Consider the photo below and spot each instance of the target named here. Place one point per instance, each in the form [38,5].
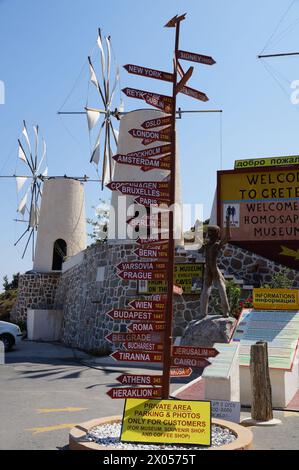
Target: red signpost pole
[170,273]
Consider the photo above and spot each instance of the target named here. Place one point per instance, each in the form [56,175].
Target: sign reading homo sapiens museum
[167,422]
[263,207]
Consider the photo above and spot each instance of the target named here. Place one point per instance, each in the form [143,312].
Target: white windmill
[29,185]
[107,136]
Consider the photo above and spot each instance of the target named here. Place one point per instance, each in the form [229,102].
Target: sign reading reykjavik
[263,206]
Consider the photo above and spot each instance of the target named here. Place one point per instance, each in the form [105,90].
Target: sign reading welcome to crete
[276,299]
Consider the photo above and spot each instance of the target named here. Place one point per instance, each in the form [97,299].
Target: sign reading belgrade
[115,338]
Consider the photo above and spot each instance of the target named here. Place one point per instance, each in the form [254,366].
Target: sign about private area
[167,422]
[276,299]
[263,207]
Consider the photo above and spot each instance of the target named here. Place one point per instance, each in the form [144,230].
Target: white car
[10,334]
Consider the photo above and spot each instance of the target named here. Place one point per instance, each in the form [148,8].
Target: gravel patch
[109,435]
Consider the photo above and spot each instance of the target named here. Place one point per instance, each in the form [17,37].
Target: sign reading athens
[263,205]
[167,422]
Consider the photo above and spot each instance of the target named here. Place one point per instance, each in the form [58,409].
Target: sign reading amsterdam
[263,206]
[276,299]
[167,422]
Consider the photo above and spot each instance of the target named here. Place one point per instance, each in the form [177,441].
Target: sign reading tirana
[263,206]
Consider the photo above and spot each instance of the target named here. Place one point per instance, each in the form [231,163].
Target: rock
[207,331]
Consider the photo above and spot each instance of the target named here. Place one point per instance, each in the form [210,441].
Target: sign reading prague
[263,206]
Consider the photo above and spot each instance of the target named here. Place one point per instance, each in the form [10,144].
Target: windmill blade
[108,67]
[44,154]
[34,216]
[103,62]
[106,156]
[22,155]
[95,157]
[115,133]
[94,80]
[25,134]
[35,129]
[45,173]
[22,206]
[93,115]
[20,180]
[117,76]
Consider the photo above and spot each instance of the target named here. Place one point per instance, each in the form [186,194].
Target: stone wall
[35,291]
[252,268]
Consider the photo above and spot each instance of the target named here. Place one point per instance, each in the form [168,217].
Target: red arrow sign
[190,351]
[193,57]
[123,337]
[188,362]
[198,95]
[148,304]
[150,73]
[156,252]
[142,275]
[142,266]
[152,152]
[136,315]
[121,393]
[152,123]
[146,164]
[141,346]
[137,356]
[165,103]
[140,379]
[180,372]
[158,190]
[164,135]
[145,327]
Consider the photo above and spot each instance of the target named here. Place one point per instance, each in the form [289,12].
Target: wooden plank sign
[191,351]
[150,73]
[145,327]
[159,122]
[193,57]
[157,252]
[163,136]
[137,356]
[163,102]
[184,80]
[151,241]
[146,164]
[142,346]
[136,315]
[146,392]
[198,95]
[140,379]
[148,304]
[115,338]
[147,190]
[142,275]
[142,266]
[189,362]
[180,371]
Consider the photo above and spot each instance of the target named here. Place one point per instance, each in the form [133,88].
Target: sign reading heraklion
[263,206]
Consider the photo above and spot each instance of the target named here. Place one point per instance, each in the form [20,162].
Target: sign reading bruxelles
[263,206]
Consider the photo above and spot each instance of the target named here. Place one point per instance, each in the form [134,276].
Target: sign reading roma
[263,205]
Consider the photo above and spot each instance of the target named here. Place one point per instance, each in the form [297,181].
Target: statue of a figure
[212,246]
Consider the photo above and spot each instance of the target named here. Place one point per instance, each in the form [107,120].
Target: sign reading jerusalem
[263,207]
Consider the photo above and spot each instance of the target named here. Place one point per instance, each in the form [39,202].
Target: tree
[11,285]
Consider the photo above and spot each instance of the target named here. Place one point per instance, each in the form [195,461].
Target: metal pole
[286,54]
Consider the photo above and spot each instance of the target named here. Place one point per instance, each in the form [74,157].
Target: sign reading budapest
[263,206]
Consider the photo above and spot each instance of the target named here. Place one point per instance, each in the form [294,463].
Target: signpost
[137,356]
[190,351]
[140,379]
[161,136]
[136,315]
[159,122]
[124,393]
[150,73]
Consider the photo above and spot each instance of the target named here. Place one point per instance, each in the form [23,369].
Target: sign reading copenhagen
[144,192]
[263,206]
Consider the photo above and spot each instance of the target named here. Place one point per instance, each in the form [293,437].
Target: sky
[43,64]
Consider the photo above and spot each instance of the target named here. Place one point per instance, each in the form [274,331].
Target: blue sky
[44,46]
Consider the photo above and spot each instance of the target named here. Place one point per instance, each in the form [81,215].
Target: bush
[280,280]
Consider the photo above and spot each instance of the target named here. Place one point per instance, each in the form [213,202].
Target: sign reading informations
[276,299]
[167,422]
[263,206]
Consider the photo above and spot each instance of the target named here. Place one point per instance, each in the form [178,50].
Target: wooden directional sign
[146,392]
[136,315]
[189,362]
[159,122]
[190,351]
[148,153]
[123,337]
[150,73]
[152,190]
[143,275]
[137,356]
[142,346]
[180,371]
[148,304]
[151,241]
[157,252]
[198,95]
[164,135]
[140,379]
[163,102]
[142,266]
[145,327]
[146,164]
[148,201]
[146,221]
[193,57]
[184,79]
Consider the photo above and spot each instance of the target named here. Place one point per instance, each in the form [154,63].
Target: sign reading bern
[263,205]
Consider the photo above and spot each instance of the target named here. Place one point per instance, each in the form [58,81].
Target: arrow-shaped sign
[136,315]
[189,362]
[151,241]
[137,356]
[192,351]
[159,122]
[142,266]
[163,102]
[150,73]
[184,79]
[193,57]
[146,327]
[163,136]
[180,372]
[146,392]
[142,346]
[154,253]
[141,337]
[148,304]
[127,379]
[198,95]
[143,275]
[159,190]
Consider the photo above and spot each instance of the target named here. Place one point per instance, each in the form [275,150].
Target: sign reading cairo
[167,422]
[263,206]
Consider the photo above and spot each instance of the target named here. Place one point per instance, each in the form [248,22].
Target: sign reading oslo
[167,422]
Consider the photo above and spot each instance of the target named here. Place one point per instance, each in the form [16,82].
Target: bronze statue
[212,246]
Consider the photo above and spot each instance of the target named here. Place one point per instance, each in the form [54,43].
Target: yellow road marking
[51,428]
[60,410]
[290,413]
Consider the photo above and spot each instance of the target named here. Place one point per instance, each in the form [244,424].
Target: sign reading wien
[263,206]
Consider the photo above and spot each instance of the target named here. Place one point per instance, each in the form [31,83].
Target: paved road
[45,390]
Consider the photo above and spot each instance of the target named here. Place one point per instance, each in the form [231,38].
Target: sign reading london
[263,206]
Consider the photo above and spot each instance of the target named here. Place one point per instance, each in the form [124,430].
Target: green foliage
[280,280]
[9,296]
[233,292]
[11,285]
